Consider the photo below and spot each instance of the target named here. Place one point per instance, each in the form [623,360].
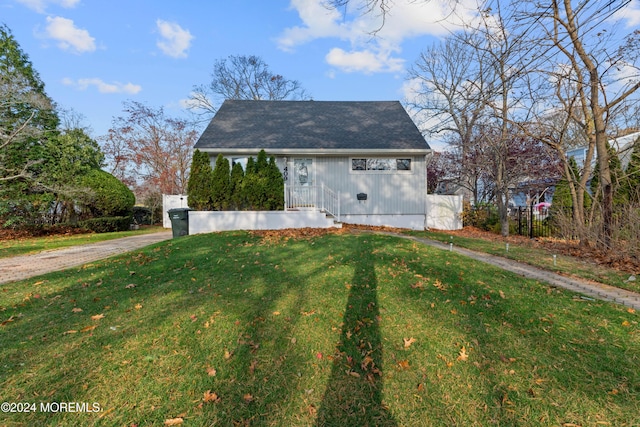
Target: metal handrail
[313,197]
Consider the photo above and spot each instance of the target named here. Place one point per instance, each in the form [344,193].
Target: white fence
[308,210]
[209,221]
[170,201]
[444,212]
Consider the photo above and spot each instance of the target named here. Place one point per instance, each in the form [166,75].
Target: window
[241,160]
[381,164]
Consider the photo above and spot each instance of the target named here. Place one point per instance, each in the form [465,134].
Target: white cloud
[69,37]
[175,40]
[102,86]
[319,22]
[188,103]
[369,52]
[40,6]
[364,61]
[630,14]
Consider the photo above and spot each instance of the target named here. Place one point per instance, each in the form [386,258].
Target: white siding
[387,193]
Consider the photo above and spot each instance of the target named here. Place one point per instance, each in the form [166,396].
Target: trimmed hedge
[107,224]
[260,187]
[108,196]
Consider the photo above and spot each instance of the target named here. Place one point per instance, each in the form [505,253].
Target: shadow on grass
[163,346]
[354,391]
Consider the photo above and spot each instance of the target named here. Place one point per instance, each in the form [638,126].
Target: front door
[304,190]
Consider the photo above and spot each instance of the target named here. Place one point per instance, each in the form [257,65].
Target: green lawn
[232,329]
[9,248]
[539,257]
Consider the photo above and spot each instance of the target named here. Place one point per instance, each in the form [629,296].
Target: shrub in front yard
[107,224]
[200,181]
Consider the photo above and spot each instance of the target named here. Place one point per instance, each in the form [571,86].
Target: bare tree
[470,86]
[243,77]
[563,127]
[149,150]
[604,70]
[581,37]
[451,98]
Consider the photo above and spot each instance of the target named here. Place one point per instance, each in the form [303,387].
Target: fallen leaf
[193,317]
[404,364]
[138,306]
[9,320]
[228,354]
[173,421]
[438,284]
[210,397]
[353,374]
[88,328]
[630,310]
[211,371]
[463,356]
[319,355]
[444,359]
[276,313]
[368,360]
[421,387]
[76,310]
[626,323]
[97,316]
[248,398]
[408,342]
[253,366]
[130,286]
[70,332]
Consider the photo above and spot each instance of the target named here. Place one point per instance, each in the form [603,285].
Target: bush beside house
[221,185]
[199,185]
[260,187]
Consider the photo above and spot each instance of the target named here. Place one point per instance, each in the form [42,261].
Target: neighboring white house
[364,162]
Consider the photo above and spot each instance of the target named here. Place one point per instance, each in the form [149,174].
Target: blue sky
[93,55]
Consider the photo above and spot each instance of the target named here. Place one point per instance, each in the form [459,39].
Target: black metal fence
[532,221]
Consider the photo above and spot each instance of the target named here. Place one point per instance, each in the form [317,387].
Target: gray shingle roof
[289,126]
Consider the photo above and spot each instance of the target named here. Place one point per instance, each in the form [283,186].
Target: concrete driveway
[25,266]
